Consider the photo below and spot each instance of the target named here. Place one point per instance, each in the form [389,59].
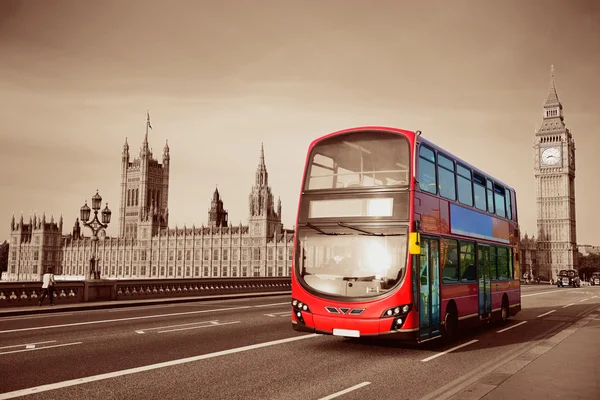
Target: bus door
[485,284]
[429,288]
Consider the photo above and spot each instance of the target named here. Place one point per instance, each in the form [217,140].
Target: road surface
[246,349]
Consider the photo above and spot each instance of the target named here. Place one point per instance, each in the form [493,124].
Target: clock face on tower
[551,156]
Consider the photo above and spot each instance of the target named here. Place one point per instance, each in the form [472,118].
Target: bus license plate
[346,332]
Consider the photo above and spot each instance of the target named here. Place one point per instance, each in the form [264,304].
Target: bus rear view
[351,273]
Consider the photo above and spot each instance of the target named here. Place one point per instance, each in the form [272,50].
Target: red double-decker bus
[395,235]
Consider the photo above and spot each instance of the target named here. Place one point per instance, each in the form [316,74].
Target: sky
[220,77]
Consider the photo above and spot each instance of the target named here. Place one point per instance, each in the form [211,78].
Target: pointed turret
[60,224]
[262,154]
[12,223]
[217,215]
[552,106]
[145,150]
[279,207]
[166,155]
[552,98]
[76,229]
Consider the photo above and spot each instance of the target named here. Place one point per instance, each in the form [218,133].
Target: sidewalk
[47,308]
[565,366]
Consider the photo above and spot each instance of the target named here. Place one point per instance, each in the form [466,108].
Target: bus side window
[427,178]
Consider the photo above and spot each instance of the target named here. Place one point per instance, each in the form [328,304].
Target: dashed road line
[568,305]
[581,301]
[94,378]
[198,324]
[478,387]
[341,392]
[27,344]
[540,293]
[449,350]
[510,327]
[279,314]
[124,319]
[273,304]
[549,312]
[33,348]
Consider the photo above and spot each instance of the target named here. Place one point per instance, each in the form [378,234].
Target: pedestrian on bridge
[48,287]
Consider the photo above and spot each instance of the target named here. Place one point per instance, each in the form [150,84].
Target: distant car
[595,279]
[568,277]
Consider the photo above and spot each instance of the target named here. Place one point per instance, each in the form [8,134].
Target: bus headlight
[397,311]
[298,307]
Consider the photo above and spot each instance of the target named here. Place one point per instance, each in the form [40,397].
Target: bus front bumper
[355,327]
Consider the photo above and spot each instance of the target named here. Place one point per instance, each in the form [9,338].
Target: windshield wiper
[308,224]
[367,232]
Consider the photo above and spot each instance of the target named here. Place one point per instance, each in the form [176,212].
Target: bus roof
[420,139]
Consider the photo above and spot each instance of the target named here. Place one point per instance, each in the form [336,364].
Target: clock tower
[555,189]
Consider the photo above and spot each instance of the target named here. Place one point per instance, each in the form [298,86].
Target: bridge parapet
[15,294]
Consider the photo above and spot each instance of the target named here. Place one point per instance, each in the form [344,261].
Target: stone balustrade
[15,294]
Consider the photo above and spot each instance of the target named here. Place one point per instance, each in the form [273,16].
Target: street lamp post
[96,226]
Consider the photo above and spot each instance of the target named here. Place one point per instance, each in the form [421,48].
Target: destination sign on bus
[375,207]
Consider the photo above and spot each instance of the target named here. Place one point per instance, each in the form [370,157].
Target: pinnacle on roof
[552,98]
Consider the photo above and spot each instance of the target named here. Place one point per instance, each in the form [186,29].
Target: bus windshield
[351,261]
[359,159]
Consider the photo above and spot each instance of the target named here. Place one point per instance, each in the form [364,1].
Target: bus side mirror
[414,246]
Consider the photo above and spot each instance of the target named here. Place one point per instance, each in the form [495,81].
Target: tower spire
[262,154]
[552,98]
[147,125]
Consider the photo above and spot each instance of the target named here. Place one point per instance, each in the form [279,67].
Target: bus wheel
[504,312]
[450,326]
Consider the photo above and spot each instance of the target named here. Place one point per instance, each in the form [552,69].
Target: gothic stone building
[555,190]
[146,247]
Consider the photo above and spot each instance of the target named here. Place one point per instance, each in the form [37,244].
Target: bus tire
[450,326]
[504,311]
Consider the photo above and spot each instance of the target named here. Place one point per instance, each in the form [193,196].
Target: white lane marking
[39,348]
[212,323]
[31,317]
[94,378]
[537,294]
[510,327]
[341,392]
[285,314]
[174,326]
[568,305]
[201,326]
[140,308]
[582,300]
[549,312]
[123,319]
[274,304]
[449,350]
[26,344]
[594,297]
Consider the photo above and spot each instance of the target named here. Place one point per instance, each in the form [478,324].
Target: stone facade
[146,247]
[555,190]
